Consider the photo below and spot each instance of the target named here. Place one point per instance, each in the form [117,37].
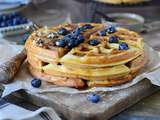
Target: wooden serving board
[77,107]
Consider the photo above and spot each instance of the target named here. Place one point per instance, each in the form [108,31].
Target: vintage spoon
[9,69]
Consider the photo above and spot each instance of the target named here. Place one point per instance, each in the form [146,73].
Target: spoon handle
[9,69]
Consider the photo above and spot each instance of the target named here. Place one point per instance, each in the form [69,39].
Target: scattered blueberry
[87,26]
[36,83]
[93,42]
[60,43]
[63,31]
[94,98]
[102,33]
[111,29]
[113,39]
[123,46]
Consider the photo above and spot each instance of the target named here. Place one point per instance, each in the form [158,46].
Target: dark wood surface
[77,107]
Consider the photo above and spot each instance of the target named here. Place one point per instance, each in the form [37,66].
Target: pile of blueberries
[12,19]
[72,39]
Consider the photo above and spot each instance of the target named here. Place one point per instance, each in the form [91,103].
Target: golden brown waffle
[105,54]
[103,64]
[117,2]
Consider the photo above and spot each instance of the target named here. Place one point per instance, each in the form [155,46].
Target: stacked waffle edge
[85,55]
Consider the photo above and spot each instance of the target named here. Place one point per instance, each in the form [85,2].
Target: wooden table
[148,108]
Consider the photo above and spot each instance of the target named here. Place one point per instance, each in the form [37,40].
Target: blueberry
[36,83]
[23,21]
[73,37]
[123,46]
[15,21]
[81,29]
[70,45]
[80,38]
[87,26]
[9,23]
[93,42]
[94,98]
[14,14]
[77,32]
[3,24]
[76,43]
[111,29]
[63,31]
[67,38]
[113,39]
[60,43]
[4,17]
[102,33]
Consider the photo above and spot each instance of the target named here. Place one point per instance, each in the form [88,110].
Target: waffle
[97,60]
[117,2]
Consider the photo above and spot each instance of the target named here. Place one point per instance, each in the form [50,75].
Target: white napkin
[10,111]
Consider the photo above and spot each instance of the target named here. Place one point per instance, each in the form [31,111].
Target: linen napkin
[10,111]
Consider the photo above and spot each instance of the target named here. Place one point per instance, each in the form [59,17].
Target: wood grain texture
[9,69]
[77,107]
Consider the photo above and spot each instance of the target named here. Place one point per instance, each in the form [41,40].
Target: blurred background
[86,10]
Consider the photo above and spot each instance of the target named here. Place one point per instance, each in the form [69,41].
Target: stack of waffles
[85,55]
